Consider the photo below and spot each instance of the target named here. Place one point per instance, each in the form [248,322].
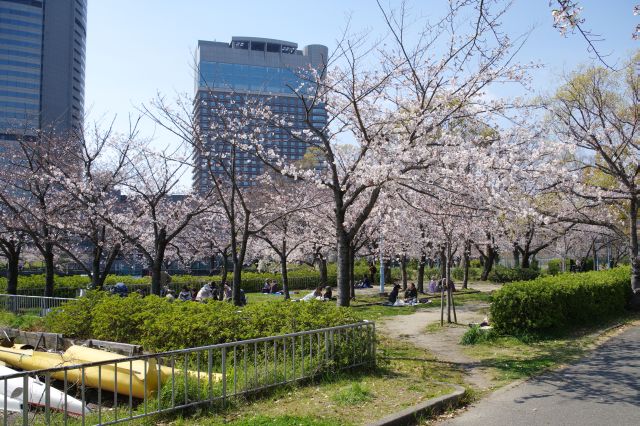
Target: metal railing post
[224,376]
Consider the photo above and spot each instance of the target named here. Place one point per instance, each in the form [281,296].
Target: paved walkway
[445,343]
[601,389]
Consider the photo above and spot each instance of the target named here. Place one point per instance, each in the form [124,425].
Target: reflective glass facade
[42,65]
[246,70]
[21,31]
[253,78]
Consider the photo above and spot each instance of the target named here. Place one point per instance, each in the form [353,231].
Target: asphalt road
[601,389]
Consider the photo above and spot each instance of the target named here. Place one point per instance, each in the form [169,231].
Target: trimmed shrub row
[559,302]
[160,325]
[500,274]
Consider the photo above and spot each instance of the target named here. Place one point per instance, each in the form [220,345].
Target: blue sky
[138,48]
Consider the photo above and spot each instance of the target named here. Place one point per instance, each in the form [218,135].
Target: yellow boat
[106,377]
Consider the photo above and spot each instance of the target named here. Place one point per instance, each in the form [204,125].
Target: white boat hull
[37,394]
[11,405]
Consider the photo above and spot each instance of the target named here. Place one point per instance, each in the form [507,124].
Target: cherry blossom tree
[595,115]
[285,212]
[11,244]
[92,194]
[394,101]
[29,194]
[153,210]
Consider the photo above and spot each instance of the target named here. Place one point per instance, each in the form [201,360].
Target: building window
[257,46]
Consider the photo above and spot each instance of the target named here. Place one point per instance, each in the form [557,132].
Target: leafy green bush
[458,273]
[66,286]
[554,266]
[475,263]
[564,301]
[477,335]
[500,274]
[23,322]
[159,325]
[74,319]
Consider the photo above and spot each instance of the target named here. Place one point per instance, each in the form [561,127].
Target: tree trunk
[322,266]
[448,280]
[634,259]
[49,269]
[467,261]
[236,282]
[352,272]
[12,275]
[95,267]
[489,259]
[12,252]
[443,263]
[526,263]
[403,269]
[283,271]
[156,278]
[107,267]
[343,268]
[420,278]
[225,269]
[516,255]
[387,271]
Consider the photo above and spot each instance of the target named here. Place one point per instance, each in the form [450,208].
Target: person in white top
[206,292]
[317,293]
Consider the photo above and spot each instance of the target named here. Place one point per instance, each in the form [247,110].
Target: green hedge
[500,274]
[559,302]
[159,325]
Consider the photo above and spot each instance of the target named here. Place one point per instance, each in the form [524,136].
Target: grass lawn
[510,358]
[404,377]
[24,322]
[363,307]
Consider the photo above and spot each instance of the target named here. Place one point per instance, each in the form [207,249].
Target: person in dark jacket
[411,293]
[185,294]
[328,293]
[393,296]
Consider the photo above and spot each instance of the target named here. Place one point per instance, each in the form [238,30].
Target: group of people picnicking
[209,291]
[318,294]
[411,293]
[270,287]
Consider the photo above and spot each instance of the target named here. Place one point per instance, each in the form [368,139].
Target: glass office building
[250,69]
[42,66]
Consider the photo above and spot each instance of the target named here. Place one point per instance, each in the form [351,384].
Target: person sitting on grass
[365,283]
[433,285]
[171,296]
[185,294]
[243,298]
[315,294]
[328,293]
[274,287]
[266,288]
[227,292]
[205,293]
[393,296]
[411,295]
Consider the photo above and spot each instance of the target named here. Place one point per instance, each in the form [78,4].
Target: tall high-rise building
[42,66]
[229,75]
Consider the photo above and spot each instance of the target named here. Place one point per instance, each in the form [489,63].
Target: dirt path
[443,343]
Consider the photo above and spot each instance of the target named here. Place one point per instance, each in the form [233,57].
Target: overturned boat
[12,390]
[137,378]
